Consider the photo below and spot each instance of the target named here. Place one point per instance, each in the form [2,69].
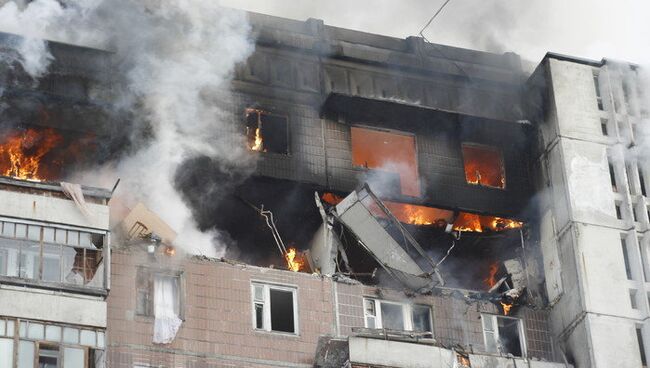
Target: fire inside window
[484,166]
[388,152]
[267,132]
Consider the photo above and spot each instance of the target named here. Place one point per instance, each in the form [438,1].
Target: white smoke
[177,58]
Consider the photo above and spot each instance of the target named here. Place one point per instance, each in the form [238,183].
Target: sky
[590,29]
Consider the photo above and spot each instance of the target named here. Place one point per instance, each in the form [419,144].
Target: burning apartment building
[393,217]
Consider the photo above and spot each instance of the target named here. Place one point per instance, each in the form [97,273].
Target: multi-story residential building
[594,209]
[441,233]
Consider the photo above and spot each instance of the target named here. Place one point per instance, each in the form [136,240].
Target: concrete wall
[52,306]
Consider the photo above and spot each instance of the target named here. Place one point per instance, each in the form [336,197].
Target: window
[57,346]
[612,177]
[483,165]
[642,181]
[633,302]
[267,132]
[158,292]
[51,254]
[639,339]
[275,308]
[503,335]
[617,208]
[626,259]
[603,127]
[599,98]
[397,316]
[390,155]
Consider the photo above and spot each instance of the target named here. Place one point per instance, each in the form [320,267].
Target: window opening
[267,132]
[274,308]
[484,166]
[503,335]
[391,156]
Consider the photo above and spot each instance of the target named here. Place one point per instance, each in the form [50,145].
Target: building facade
[595,212]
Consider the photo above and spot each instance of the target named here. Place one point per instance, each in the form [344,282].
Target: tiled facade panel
[218,315]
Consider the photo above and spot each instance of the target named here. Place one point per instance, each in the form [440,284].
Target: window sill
[277,333]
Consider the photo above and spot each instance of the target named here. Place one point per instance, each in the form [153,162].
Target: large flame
[257,142]
[22,151]
[421,215]
[294,262]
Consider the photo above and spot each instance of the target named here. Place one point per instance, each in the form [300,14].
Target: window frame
[487,147]
[495,325]
[151,273]
[261,110]
[266,307]
[37,279]
[407,314]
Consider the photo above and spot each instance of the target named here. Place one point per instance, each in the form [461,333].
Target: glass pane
[53,333]
[11,251]
[10,327]
[48,234]
[487,323]
[26,354]
[4,259]
[23,329]
[2,327]
[100,340]
[8,229]
[88,338]
[60,236]
[370,307]
[490,342]
[29,260]
[6,353]
[84,240]
[73,358]
[70,335]
[72,260]
[370,322]
[21,231]
[259,293]
[36,331]
[34,232]
[392,316]
[73,237]
[51,263]
[421,318]
[259,316]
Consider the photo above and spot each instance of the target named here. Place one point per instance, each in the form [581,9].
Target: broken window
[51,254]
[267,132]
[484,165]
[274,308]
[503,335]
[390,155]
[397,316]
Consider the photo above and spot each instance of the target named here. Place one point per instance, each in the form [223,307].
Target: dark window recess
[267,132]
[633,299]
[642,182]
[639,339]
[603,127]
[259,315]
[612,178]
[626,260]
[392,316]
[636,218]
[509,338]
[48,357]
[281,311]
[619,215]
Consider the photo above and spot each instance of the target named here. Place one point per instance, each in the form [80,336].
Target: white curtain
[166,307]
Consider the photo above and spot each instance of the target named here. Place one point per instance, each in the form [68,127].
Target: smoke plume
[176,59]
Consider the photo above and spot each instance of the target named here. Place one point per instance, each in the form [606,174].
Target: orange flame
[491,280]
[21,152]
[506,308]
[294,263]
[257,143]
